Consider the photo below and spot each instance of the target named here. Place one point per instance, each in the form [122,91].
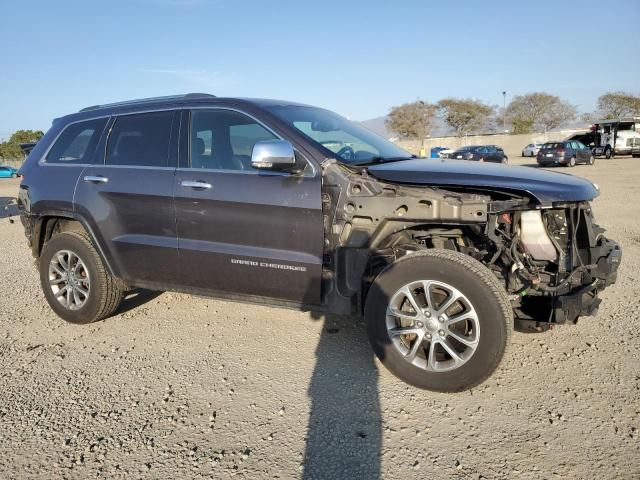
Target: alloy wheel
[433,325]
[69,279]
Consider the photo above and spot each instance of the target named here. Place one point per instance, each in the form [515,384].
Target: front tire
[448,340]
[75,282]
[591,160]
[608,152]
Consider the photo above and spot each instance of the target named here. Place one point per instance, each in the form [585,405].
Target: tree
[26,136]
[540,110]
[465,116]
[521,126]
[10,150]
[411,120]
[618,104]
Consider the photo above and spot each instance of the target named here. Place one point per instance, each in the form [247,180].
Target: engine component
[534,237]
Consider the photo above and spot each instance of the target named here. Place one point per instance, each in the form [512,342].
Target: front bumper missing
[582,300]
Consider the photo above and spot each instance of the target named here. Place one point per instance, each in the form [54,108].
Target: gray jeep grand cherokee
[288,204]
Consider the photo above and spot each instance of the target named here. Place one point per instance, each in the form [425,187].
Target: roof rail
[149,100]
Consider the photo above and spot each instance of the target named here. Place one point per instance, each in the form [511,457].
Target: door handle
[95,179]
[195,184]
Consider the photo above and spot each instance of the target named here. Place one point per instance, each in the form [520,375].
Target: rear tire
[82,294]
[479,289]
[572,162]
[13,175]
[608,152]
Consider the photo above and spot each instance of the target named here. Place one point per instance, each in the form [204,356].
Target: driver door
[243,231]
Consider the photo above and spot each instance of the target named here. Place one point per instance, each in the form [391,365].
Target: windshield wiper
[374,160]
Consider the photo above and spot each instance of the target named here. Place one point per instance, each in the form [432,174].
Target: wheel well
[51,226]
[365,268]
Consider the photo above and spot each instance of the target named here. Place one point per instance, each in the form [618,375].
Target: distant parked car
[531,150]
[481,153]
[8,172]
[435,151]
[565,153]
[446,153]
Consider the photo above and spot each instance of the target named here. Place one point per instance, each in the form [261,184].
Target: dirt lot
[177,386]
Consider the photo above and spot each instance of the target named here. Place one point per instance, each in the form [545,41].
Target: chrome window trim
[253,170]
[47,164]
[42,161]
[138,167]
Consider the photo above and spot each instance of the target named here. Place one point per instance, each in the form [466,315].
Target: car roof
[178,100]
[172,101]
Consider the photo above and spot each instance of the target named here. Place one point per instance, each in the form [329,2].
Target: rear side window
[140,140]
[77,142]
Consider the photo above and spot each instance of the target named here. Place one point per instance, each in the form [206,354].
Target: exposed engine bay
[552,259]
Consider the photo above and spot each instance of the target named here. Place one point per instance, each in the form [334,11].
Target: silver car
[531,150]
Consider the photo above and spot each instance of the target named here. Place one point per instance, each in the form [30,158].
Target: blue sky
[358,58]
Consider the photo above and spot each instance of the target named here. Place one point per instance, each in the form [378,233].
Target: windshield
[346,140]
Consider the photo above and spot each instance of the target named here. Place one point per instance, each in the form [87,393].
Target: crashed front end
[558,260]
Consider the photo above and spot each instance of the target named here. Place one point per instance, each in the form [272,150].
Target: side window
[574,145]
[140,140]
[581,145]
[224,139]
[77,142]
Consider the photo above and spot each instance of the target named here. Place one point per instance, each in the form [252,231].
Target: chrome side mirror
[273,155]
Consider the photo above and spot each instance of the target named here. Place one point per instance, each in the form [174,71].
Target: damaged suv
[287,204]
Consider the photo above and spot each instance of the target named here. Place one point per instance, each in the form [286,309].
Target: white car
[446,153]
[531,150]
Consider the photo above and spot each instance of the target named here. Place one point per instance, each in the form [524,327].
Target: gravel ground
[187,387]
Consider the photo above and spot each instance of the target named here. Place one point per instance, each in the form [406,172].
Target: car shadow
[8,207]
[136,298]
[344,434]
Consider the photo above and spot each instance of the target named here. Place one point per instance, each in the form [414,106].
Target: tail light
[560,152]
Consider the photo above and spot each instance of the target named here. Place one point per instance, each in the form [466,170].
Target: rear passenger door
[127,198]
[583,154]
[243,231]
